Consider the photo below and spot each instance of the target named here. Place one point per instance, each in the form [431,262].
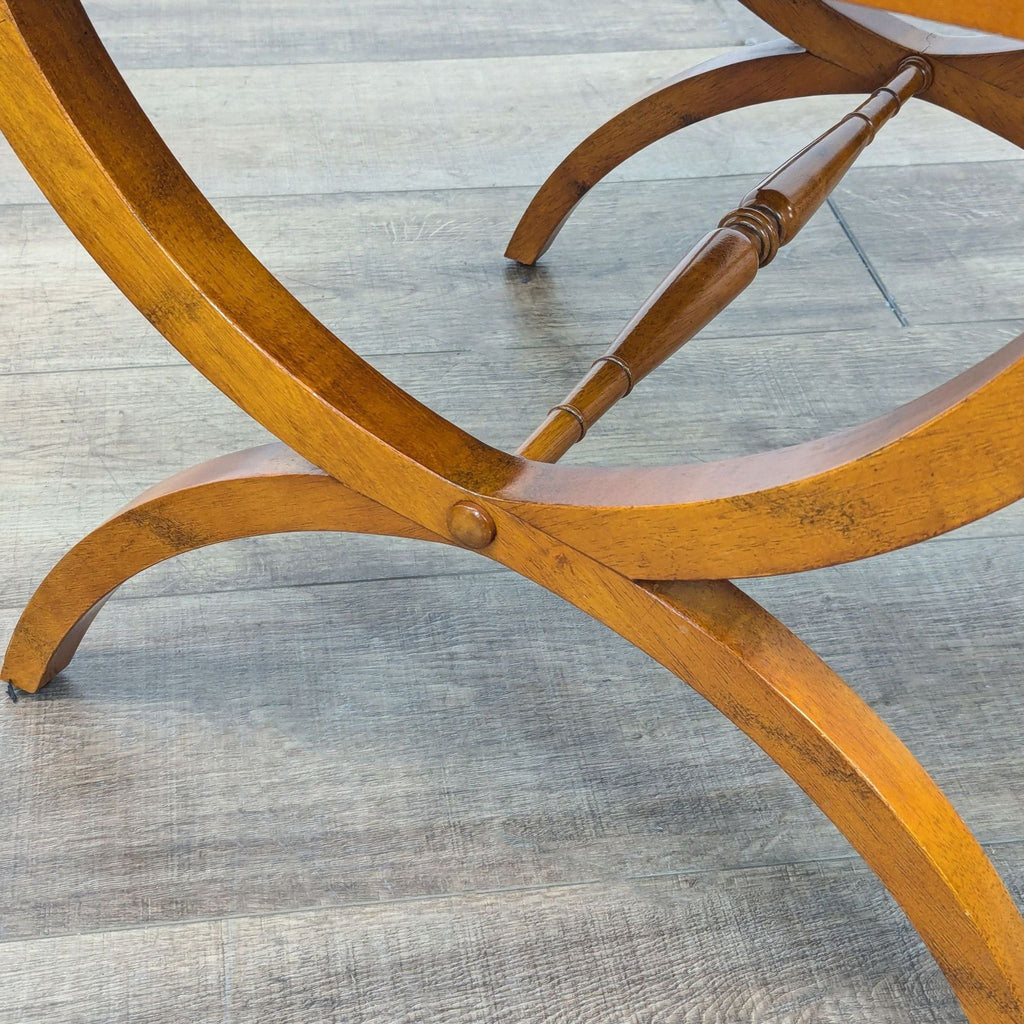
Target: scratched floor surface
[327,778]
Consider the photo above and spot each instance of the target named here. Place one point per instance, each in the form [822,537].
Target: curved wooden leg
[264,490]
[774,688]
[977,77]
[742,78]
[859,773]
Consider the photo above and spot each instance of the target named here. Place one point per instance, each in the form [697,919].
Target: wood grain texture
[972,268]
[231,649]
[716,270]
[772,687]
[709,634]
[939,462]
[845,497]
[743,393]
[424,261]
[264,490]
[738,79]
[159,239]
[476,123]
[367,743]
[154,233]
[60,313]
[972,73]
[636,952]
[144,212]
[731,650]
[208,33]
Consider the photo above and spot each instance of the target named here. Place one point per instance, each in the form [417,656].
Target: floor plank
[492,122]
[411,272]
[827,947]
[328,777]
[210,33]
[945,240]
[326,745]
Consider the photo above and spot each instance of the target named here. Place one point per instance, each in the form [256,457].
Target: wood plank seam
[368,457]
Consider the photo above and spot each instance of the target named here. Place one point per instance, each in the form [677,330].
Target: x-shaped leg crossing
[646,551]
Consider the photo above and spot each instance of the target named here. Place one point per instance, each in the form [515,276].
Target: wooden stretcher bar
[647,551]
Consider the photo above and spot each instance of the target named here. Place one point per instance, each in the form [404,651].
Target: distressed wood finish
[848,49]
[942,461]
[264,490]
[614,951]
[644,551]
[798,711]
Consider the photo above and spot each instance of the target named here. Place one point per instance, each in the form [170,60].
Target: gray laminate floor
[323,778]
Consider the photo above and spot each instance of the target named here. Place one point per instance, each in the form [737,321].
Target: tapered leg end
[39,648]
[261,491]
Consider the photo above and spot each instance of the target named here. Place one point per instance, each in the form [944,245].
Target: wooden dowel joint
[471,525]
[922,64]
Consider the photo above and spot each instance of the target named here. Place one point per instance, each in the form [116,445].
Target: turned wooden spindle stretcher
[649,552]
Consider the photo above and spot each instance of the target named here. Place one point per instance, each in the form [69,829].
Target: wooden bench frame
[648,551]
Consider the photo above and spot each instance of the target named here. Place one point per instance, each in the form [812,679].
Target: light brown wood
[850,496]
[798,711]
[389,464]
[264,490]
[939,462]
[152,231]
[742,78]
[1004,17]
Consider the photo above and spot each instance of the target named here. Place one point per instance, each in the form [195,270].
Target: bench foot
[261,491]
[742,78]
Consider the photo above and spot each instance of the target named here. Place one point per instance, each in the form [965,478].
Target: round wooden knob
[471,525]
